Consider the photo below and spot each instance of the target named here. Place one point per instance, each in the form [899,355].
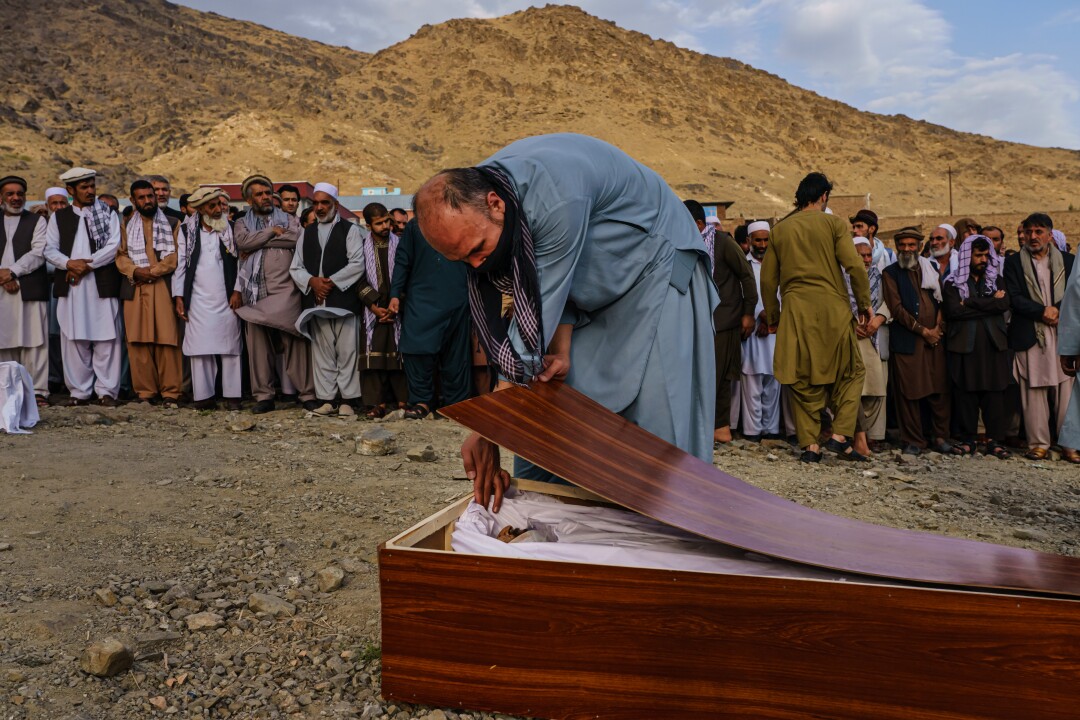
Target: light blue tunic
[620,258]
[1069,344]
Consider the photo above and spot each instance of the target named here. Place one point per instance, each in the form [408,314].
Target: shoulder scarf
[98,221]
[254,284]
[486,291]
[192,231]
[708,236]
[1057,280]
[960,276]
[136,240]
[373,270]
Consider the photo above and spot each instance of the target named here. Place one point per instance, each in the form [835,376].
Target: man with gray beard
[912,291]
[24,328]
[326,266]
[267,237]
[942,242]
[205,297]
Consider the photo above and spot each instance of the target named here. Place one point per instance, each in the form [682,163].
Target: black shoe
[289,399]
[233,403]
[207,404]
[844,450]
[311,405]
[912,450]
[107,401]
[808,456]
[263,406]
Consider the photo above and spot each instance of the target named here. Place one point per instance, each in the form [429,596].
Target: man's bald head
[460,214]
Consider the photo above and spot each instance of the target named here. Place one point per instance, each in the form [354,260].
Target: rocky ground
[233,556]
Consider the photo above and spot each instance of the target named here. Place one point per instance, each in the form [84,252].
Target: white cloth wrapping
[604,535]
[931,278]
[18,407]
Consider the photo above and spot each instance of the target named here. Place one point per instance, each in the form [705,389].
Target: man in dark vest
[24,330]
[81,243]
[912,290]
[328,261]
[432,296]
[205,297]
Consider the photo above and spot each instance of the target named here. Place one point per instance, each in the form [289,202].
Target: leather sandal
[1037,453]
[1070,456]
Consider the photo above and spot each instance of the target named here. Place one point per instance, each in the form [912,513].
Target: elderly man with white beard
[942,252]
[328,262]
[24,331]
[205,297]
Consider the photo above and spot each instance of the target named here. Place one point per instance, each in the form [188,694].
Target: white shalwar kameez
[24,326]
[90,338]
[760,390]
[213,329]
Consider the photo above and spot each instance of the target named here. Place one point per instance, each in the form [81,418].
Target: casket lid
[563,431]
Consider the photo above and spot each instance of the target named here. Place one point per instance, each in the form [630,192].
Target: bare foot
[860,445]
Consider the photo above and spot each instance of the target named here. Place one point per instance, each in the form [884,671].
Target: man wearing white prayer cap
[56,198]
[942,248]
[759,389]
[327,263]
[24,286]
[268,236]
[81,243]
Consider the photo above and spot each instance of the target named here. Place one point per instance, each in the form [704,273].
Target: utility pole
[950,172]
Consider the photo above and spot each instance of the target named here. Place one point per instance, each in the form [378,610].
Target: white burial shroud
[605,535]
[18,406]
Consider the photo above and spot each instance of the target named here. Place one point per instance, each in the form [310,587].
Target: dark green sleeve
[736,260]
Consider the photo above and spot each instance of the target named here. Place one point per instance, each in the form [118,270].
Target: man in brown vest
[147,259]
[24,331]
[81,242]
[329,261]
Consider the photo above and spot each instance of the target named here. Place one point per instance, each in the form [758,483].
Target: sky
[1008,70]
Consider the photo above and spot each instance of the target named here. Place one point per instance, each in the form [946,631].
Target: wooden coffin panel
[563,640]
[566,433]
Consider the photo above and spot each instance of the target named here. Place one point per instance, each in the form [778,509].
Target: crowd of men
[946,342]
[950,341]
[167,307]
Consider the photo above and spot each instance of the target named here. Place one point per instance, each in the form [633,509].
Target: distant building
[718,208]
[390,200]
[845,206]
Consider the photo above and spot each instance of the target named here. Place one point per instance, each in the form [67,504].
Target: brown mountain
[152,87]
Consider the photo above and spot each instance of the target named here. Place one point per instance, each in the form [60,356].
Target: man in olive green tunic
[817,354]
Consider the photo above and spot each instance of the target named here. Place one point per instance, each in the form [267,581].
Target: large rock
[330,578]
[421,454]
[204,621]
[106,658]
[271,604]
[376,441]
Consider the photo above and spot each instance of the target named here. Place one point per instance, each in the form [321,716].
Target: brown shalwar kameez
[153,334]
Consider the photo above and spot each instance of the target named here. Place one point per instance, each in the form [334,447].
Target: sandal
[809,456]
[964,448]
[1037,453]
[844,451]
[417,412]
[1070,456]
[945,448]
[375,413]
[999,451]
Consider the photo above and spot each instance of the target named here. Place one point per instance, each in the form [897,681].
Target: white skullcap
[55,191]
[949,229]
[712,219]
[861,241]
[326,188]
[78,174]
[757,225]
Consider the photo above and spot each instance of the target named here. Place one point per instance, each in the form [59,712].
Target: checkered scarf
[192,231]
[486,291]
[98,221]
[253,281]
[136,240]
[963,268]
[374,272]
[708,235]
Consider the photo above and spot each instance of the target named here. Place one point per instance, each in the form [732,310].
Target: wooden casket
[940,627]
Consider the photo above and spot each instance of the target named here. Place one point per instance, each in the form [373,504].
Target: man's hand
[178,305]
[321,287]
[380,313]
[1050,316]
[556,367]
[5,276]
[746,326]
[236,300]
[1069,364]
[862,331]
[481,460]
[875,324]
[11,286]
[78,268]
[394,306]
[864,317]
[762,328]
[932,336]
[278,231]
[999,294]
[143,276]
